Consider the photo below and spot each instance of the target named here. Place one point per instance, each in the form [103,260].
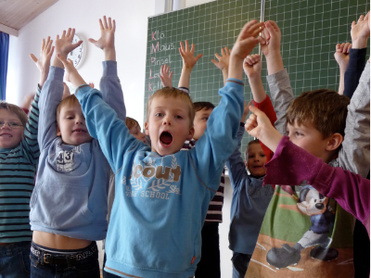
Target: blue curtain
[4,50]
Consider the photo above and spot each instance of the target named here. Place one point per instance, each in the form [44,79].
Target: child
[209,264]
[69,204]
[134,129]
[162,193]
[250,198]
[330,181]
[299,218]
[19,153]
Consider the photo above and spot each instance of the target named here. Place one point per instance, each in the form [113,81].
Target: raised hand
[189,60]
[272,38]
[248,39]
[64,45]
[258,125]
[360,31]
[252,66]
[223,60]
[43,62]
[165,76]
[107,40]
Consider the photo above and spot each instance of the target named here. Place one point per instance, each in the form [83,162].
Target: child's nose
[79,120]
[166,121]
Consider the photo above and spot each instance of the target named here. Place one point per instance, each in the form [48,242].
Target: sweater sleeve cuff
[56,73]
[235,80]
[109,68]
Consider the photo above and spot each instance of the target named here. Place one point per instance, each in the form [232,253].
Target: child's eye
[205,119]
[14,124]
[158,115]
[297,133]
[179,117]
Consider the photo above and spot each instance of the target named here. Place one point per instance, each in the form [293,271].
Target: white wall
[131,39]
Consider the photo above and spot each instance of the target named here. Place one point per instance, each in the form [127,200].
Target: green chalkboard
[310,31]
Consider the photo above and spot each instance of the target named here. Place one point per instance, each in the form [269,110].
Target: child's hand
[64,45]
[73,76]
[258,125]
[272,37]
[360,31]
[247,39]
[342,55]
[189,60]
[223,60]
[43,63]
[107,40]
[165,76]
[252,66]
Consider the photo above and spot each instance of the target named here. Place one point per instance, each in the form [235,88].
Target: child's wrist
[359,43]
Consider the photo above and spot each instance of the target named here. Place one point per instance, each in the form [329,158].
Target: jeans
[45,264]
[15,260]
[240,264]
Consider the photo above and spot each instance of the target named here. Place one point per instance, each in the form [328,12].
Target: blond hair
[69,101]
[171,92]
[22,116]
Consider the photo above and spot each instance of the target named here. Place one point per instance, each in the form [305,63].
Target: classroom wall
[131,20]
[131,39]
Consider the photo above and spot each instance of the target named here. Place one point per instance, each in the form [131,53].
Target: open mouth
[166,138]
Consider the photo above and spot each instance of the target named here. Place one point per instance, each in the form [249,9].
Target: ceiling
[14,14]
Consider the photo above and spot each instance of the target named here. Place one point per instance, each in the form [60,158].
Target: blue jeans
[240,264]
[15,260]
[81,264]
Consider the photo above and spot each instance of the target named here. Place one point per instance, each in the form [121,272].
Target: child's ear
[146,128]
[191,133]
[58,131]
[334,141]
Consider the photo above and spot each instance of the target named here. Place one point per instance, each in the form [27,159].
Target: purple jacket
[350,190]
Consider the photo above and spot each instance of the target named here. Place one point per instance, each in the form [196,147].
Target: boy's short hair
[130,122]
[67,101]
[22,116]
[169,92]
[325,109]
[254,141]
[200,105]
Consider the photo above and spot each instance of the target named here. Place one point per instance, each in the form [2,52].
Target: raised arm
[278,79]
[253,67]
[355,152]
[52,90]
[165,76]
[43,62]
[189,61]
[360,32]
[110,85]
[223,62]
[342,58]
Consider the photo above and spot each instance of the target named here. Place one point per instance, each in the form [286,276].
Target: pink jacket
[350,190]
